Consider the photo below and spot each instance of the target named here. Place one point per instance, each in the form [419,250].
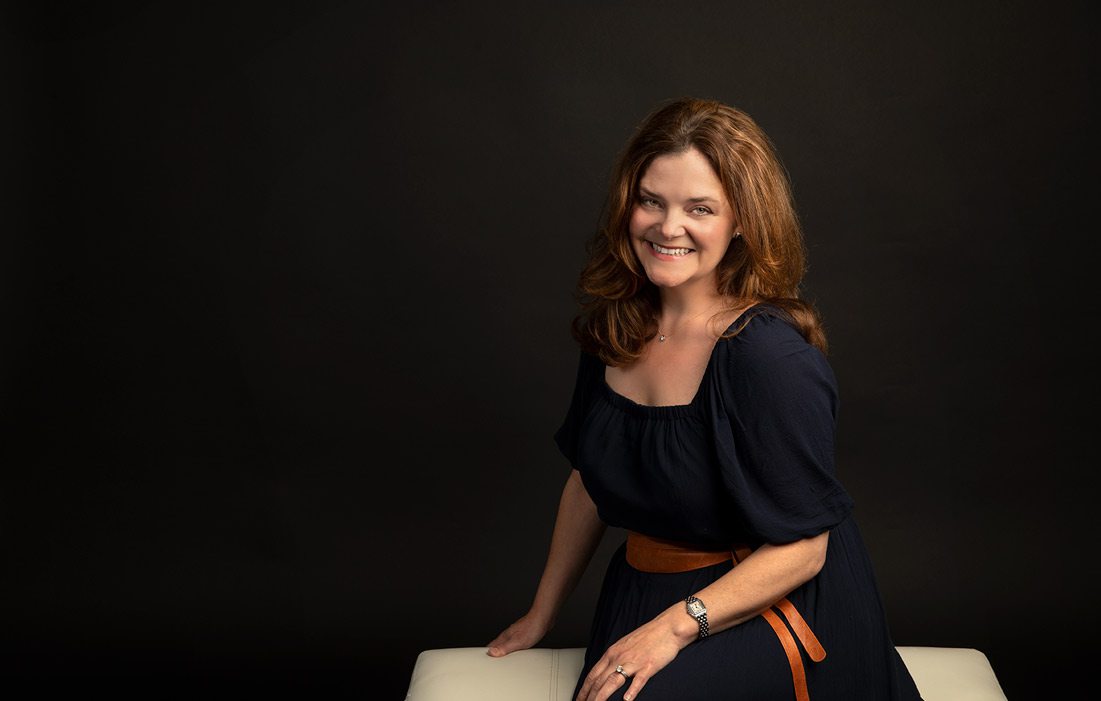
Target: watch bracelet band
[701,619]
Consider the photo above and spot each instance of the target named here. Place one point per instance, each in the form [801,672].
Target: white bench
[468,674]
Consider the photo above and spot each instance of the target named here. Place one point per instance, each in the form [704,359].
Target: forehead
[685,172]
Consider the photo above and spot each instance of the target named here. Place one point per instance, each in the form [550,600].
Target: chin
[665,281]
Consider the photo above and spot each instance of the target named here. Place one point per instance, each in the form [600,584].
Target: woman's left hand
[642,653]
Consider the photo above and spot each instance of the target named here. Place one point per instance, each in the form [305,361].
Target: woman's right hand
[577,532]
[521,635]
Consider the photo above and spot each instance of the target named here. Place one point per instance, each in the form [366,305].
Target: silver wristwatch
[697,610]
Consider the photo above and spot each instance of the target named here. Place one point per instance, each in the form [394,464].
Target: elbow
[816,555]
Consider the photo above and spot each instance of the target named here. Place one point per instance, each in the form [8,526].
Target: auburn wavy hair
[619,304]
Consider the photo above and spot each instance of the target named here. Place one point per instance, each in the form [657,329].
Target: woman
[703,422]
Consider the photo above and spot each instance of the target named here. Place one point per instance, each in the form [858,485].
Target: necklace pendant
[661,338]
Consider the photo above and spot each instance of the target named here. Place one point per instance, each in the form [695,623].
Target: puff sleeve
[775,433]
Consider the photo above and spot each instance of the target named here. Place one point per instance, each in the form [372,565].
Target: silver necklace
[662,337]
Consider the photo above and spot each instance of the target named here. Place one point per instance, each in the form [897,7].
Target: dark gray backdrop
[285,298]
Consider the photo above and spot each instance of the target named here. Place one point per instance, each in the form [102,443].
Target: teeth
[670,251]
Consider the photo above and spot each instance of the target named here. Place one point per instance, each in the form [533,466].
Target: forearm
[577,532]
[767,575]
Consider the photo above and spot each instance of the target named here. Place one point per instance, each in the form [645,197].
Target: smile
[670,251]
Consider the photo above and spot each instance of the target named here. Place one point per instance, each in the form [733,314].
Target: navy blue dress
[749,460]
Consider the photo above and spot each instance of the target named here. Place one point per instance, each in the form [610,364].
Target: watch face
[696,608]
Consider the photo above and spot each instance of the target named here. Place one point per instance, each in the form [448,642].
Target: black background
[286,290]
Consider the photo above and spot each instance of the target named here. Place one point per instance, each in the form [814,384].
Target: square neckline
[669,410]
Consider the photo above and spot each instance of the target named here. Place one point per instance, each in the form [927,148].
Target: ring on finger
[619,671]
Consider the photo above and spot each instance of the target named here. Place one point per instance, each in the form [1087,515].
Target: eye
[701,210]
[650,202]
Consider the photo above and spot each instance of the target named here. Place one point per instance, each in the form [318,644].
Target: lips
[668,251]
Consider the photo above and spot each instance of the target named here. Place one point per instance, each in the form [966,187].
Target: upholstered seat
[468,674]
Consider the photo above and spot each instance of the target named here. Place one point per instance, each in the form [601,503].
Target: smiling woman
[702,422]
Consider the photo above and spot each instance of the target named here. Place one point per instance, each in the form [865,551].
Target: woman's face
[681,223]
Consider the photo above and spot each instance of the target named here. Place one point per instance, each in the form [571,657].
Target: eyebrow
[691,200]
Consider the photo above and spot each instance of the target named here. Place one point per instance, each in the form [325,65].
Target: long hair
[619,304]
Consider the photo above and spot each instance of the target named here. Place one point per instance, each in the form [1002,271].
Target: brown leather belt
[657,555]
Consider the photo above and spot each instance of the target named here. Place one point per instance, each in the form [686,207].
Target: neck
[679,304]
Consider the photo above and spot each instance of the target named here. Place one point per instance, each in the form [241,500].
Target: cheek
[639,222]
[722,242]
[720,233]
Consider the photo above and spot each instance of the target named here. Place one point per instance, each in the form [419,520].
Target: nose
[672,225]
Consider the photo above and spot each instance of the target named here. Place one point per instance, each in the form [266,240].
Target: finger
[501,645]
[613,682]
[494,646]
[506,648]
[597,678]
[637,682]
[590,681]
[583,694]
